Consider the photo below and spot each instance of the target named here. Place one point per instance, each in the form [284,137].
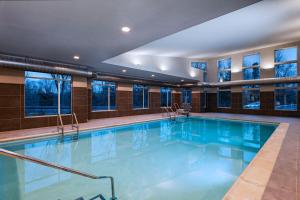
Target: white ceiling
[265,23]
[59,29]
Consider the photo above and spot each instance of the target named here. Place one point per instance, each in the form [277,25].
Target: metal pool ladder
[62,168]
[60,124]
[76,125]
[169,112]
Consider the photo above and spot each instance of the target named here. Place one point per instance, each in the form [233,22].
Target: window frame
[108,96]
[167,97]
[243,93]
[286,62]
[58,94]
[252,87]
[181,99]
[285,86]
[218,97]
[224,70]
[143,86]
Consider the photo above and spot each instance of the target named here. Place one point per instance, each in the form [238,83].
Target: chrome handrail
[76,121]
[60,124]
[170,113]
[59,167]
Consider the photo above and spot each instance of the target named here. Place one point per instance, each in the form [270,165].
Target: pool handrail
[59,167]
[60,124]
[76,125]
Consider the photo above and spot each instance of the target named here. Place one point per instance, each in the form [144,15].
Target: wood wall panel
[196,102]
[10,106]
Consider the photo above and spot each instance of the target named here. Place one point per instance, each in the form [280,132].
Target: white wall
[266,67]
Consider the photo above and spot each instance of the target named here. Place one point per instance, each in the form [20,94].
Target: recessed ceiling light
[182,80]
[163,68]
[125,29]
[137,62]
[153,75]
[124,70]
[76,57]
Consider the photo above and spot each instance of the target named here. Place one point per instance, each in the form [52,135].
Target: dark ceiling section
[57,30]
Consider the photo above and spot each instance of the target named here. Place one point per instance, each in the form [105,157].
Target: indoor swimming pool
[190,158]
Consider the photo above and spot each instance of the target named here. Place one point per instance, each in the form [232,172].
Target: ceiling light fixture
[124,70]
[193,74]
[236,70]
[136,62]
[269,66]
[125,29]
[163,68]
[76,57]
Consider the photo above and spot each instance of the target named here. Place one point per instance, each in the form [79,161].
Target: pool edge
[71,132]
[254,179]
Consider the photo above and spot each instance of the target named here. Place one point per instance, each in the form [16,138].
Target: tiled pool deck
[272,175]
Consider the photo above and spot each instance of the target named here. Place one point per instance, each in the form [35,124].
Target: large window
[224,74]
[224,70]
[165,97]
[224,98]
[251,70]
[202,66]
[140,96]
[286,66]
[186,96]
[47,94]
[103,95]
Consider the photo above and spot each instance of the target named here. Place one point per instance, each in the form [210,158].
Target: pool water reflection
[192,158]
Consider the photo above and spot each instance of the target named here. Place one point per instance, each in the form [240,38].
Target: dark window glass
[286,66]
[286,70]
[224,76]
[224,64]
[283,69]
[251,99]
[251,60]
[140,96]
[65,97]
[186,96]
[165,97]
[113,97]
[224,70]
[251,70]
[146,97]
[199,65]
[42,91]
[286,55]
[103,95]
[251,73]
[224,99]
[286,99]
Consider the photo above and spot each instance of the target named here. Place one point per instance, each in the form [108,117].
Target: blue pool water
[193,158]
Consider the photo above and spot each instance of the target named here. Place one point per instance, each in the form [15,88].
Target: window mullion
[108,98]
[58,92]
